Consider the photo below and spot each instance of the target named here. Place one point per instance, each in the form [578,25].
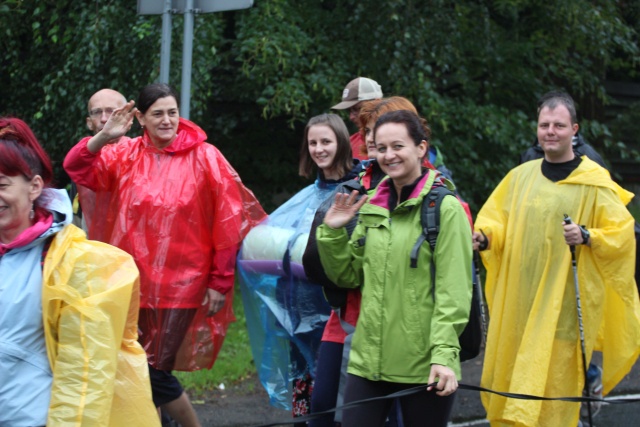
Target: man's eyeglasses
[99,111]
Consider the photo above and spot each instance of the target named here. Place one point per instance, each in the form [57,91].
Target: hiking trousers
[418,409]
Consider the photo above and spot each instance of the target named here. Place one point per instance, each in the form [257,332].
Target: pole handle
[567,220]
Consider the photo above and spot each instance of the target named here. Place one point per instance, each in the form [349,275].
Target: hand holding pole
[567,221]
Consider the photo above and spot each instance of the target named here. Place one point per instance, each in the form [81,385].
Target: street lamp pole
[165,43]
[187,53]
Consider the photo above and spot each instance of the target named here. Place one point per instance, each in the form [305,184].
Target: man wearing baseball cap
[358,90]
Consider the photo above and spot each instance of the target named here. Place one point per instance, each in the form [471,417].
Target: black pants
[165,387]
[418,410]
[325,389]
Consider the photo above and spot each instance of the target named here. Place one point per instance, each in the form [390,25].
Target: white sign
[156,7]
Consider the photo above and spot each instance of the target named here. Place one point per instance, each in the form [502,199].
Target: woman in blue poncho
[285,313]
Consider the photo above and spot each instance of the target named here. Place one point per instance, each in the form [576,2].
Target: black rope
[461,386]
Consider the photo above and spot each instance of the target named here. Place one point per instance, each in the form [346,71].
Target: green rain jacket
[402,329]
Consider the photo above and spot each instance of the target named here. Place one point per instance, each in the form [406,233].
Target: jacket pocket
[417,296]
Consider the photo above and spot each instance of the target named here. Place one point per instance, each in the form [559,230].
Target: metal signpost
[189,8]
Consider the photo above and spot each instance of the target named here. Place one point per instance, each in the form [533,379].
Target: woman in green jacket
[407,332]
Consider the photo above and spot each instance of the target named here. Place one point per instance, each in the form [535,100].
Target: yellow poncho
[90,301]
[533,341]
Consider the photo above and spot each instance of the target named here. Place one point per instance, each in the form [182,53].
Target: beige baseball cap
[359,89]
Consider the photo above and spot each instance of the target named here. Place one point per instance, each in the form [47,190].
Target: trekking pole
[478,285]
[567,220]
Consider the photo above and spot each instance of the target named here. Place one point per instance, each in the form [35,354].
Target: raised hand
[117,126]
[120,122]
[344,207]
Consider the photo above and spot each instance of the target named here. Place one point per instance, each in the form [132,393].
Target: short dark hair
[151,93]
[414,124]
[342,162]
[554,98]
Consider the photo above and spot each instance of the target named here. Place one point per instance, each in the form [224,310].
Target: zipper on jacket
[378,375]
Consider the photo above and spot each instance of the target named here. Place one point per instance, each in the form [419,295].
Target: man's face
[555,132]
[354,112]
[101,105]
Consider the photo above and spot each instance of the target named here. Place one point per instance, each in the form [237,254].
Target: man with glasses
[100,106]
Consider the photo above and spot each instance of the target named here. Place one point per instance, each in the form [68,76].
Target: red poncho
[180,212]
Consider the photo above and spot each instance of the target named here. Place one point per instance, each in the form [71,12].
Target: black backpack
[473,334]
[335,295]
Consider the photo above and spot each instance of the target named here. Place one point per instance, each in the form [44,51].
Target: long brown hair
[342,162]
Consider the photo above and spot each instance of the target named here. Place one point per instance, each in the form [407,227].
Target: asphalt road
[246,404]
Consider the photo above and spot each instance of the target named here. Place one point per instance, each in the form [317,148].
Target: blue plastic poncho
[285,313]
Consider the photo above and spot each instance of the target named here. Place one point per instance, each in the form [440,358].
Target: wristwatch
[485,243]
[585,235]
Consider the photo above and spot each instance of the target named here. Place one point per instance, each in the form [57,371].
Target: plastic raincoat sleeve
[492,224]
[224,265]
[78,164]
[236,208]
[87,294]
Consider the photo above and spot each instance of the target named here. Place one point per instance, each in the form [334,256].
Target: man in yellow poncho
[533,342]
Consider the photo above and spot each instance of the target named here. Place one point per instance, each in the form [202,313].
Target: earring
[32,214]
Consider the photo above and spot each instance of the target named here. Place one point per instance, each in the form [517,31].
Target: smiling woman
[407,330]
[399,154]
[286,313]
[17,196]
[173,202]
[160,119]
[322,148]
[68,306]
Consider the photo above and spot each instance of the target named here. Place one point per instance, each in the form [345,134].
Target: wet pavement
[468,411]
[246,404]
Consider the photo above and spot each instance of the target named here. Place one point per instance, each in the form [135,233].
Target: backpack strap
[471,337]
[430,220]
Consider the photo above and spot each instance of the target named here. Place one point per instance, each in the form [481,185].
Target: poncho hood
[590,173]
[189,136]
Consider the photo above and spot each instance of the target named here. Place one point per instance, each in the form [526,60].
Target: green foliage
[473,68]
[625,127]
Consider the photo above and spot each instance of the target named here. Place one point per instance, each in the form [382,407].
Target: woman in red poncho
[174,203]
